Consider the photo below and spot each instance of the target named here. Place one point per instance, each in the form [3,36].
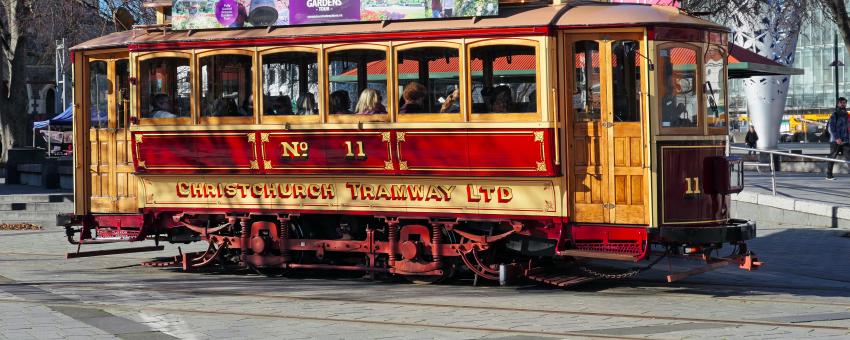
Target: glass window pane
[428,80]
[290,83]
[678,87]
[98,94]
[226,86]
[586,95]
[351,73]
[504,79]
[625,63]
[122,101]
[165,89]
[715,88]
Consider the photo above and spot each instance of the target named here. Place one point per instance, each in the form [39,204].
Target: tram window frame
[330,117]
[454,117]
[108,91]
[699,128]
[718,130]
[508,116]
[225,120]
[137,65]
[296,119]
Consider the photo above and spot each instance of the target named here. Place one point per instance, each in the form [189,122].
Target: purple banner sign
[323,11]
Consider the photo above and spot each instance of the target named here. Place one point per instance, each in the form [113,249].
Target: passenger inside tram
[370,103]
[414,98]
[340,102]
[306,104]
[451,103]
[162,106]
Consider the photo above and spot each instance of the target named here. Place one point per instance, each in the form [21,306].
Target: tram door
[606,115]
[112,186]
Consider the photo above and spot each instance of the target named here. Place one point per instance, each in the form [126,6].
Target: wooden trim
[136,99]
[518,116]
[430,117]
[259,100]
[698,77]
[196,69]
[354,118]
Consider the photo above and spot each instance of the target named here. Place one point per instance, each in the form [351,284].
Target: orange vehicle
[545,136]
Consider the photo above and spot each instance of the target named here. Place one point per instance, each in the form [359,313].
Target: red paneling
[191,152]
[475,152]
[684,166]
[454,152]
[327,152]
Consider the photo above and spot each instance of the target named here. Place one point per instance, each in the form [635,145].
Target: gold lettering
[434,193]
[417,192]
[314,191]
[488,191]
[209,190]
[505,194]
[230,190]
[383,192]
[472,193]
[693,186]
[368,191]
[183,189]
[270,190]
[447,191]
[328,191]
[244,189]
[355,190]
[197,189]
[399,192]
[300,191]
[257,190]
[295,149]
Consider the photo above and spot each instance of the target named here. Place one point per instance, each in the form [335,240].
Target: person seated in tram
[451,103]
[223,107]
[370,103]
[162,106]
[247,108]
[501,99]
[281,105]
[673,111]
[414,97]
[306,104]
[340,102]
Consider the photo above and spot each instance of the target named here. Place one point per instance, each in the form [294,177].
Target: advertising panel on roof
[204,14]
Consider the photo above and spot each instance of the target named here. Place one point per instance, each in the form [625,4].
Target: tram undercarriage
[421,250]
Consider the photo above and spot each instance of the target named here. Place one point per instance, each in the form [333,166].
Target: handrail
[773,167]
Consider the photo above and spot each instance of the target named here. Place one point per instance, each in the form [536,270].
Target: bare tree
[15,17]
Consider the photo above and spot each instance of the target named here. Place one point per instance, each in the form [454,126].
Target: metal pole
[772,175]
[835,64]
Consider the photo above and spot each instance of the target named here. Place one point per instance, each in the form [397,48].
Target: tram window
[428,80]
[678,87]
[226,86]
[122,100]
[504,79]
[625,78]
[99,94]
[290,83]
[166,90]
[586,95]
[714,89]
[351,73]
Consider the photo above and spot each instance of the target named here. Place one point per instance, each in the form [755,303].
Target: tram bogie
[548,134]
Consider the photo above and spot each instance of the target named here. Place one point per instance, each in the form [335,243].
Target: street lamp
[835,64]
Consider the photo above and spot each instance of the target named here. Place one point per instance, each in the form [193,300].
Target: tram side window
[678,87]
[428,80]
[226,86]
[290,83]
[504,79]
[354,74]
[166,90]
[122,101]
[714,89]
[98,94]
[586,94]
[625,78]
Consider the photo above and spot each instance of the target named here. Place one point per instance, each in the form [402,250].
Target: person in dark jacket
[839,136]
[751,139]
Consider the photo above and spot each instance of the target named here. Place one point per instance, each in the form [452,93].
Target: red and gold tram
[550,134]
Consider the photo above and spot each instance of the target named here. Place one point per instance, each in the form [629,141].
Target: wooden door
[111,187]
[608,170]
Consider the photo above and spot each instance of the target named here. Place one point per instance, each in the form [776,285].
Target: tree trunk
[838,11]
[13,105]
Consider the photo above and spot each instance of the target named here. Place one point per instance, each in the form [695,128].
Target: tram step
[600,255]
[560,279]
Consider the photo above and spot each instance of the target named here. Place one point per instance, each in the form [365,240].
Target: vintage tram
[550,135]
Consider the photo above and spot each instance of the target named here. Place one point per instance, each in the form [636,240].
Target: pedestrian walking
[839,136]
[751,139]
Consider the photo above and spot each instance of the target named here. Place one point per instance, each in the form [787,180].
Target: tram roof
[511,19]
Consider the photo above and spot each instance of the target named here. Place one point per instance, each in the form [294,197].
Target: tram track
[220,293]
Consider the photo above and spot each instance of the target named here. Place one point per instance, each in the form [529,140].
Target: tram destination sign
[208,14]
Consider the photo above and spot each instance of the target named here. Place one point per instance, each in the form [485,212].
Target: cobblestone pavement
[802,292]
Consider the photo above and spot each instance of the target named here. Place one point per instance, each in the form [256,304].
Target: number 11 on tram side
[535,143]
